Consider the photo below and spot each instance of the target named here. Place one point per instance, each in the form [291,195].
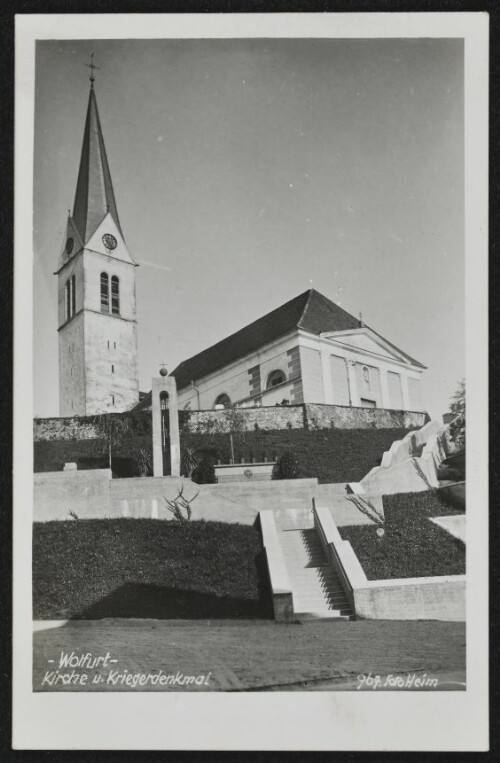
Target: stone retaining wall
[347,417]
[305,416]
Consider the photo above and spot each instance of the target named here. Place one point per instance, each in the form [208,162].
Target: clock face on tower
[109,241]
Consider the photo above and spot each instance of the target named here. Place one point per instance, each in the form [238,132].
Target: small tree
[144,463]
[457,408]
[113,427]
[123,429]
[286,467]
[190,460]
[204,473]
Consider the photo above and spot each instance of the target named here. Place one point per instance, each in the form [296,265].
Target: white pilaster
[406,393]
[353,382]
[384,388]
[327,376]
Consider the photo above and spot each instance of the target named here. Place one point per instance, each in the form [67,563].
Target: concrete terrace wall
[436,598]
[93,495]
[425,598]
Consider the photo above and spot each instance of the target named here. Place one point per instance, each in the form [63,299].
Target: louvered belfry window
[104,293]
[115,295]
[70,297]
[67,298]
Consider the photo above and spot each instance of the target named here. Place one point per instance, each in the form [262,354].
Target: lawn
[87,569]
[412,546]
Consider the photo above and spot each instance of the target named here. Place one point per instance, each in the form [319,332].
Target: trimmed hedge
[89,569]
[413,546]
[331,455]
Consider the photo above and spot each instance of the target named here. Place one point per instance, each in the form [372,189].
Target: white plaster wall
[277,394]
[363,356]
[74,267]
[315,376]
[101,383]
[94,265]
[373,390]
[72,368]
[312,374]
[234,379]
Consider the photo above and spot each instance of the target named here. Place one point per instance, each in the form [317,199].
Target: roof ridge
[306,306]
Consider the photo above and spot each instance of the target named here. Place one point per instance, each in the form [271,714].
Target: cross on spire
[92,68]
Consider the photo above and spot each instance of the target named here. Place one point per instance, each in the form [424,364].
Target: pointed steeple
[94,190]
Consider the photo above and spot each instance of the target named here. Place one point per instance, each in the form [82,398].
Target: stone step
[303,595]
[303,591]
[311,579]
[298,551]
[321,593]
[316,587]
[308,605]
[321,615]
[306,587]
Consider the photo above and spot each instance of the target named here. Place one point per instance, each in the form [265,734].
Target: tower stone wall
[72,394]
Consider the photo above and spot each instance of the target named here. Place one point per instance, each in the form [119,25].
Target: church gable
[367,340]
[108,240]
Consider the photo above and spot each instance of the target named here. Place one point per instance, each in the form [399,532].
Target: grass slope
[147,568]
[413,546]
[331,455]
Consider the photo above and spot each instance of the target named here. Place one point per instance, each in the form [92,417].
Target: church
[308,350]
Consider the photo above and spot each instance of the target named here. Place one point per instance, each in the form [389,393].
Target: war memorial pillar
[165,383]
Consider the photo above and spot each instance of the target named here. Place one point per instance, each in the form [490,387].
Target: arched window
[366,377]
[115,295]
[104,293]
[275,378]
[73,295]
[222,401]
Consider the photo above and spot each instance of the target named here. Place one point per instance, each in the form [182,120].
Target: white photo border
[275,720]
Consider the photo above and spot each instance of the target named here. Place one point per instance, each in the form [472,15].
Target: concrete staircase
[316,588]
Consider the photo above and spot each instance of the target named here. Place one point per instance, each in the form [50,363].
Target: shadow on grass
[143,600]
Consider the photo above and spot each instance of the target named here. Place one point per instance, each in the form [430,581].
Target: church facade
[309,350]
[97,324]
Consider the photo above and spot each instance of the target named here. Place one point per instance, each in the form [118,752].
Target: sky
[247,171]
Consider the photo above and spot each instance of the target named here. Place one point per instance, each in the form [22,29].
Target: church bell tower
[97,326]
